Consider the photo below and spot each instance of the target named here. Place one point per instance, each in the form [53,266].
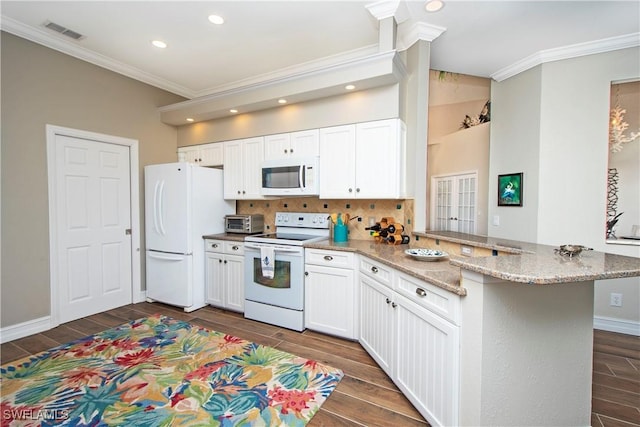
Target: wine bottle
[376,227]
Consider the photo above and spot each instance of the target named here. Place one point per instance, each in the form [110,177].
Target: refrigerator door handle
[155,208]
[160,209]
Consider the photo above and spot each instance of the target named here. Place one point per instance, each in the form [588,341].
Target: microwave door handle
[301,176]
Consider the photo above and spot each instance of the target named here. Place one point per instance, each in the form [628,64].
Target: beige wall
[41,86]
[551,122]
[373,104]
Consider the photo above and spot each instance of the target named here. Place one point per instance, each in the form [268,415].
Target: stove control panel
[302,219]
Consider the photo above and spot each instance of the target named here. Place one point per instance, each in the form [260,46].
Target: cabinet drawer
[376,270]
[337,259]
[233,248]
[437,300]
[216,246]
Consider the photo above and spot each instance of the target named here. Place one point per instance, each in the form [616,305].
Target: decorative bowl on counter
[426,254]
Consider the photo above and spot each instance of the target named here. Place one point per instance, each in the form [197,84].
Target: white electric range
[274,268]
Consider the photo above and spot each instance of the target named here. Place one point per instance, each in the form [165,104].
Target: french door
[453,203]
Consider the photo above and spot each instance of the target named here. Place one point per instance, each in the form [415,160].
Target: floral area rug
[158,371]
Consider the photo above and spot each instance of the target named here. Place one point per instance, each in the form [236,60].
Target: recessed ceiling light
[282,101]
[349,87]
[433,5]
[159,43]
[189,119]
[233,110]
[216,19]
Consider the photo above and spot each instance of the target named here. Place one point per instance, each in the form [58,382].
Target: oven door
[286,288]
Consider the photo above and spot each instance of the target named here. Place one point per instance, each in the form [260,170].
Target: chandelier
[618,127]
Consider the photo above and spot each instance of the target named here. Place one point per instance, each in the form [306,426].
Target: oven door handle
[275,248]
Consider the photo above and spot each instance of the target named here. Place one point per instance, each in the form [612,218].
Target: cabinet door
[234,282]
[277,146]
[211,154]
[377,322]
[214,278]
[191,154]
[233,171]
[427,362]
[337,160]
[330,304]
[252,167]
[305,143]
[378,152]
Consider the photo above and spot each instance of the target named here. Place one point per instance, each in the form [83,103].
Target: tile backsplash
[400,210]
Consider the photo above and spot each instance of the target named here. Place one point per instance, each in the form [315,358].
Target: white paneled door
[92,216]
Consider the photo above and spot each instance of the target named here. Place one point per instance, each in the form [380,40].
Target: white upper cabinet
[242,168]
[365,160]
[203,155]
[295,144]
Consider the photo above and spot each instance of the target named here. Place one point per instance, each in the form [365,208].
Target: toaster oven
[244,224]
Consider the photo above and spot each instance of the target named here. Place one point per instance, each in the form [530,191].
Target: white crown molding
[418,31]
[568,52]
[383,9]
[284,73]
[72,49]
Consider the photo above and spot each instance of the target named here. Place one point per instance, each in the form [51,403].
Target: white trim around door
[52,133]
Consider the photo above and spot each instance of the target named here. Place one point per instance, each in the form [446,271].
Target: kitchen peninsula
[520,346]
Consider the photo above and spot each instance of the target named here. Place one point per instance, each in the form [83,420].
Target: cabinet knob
[243,192]
[421,292]
[351,190]
[225,261]
[306,273]
[219,261]
[357,190]
[394,305]
[388,301]
[285,151]
[238,191]
[328,257]
[235,247]
[291,151]
[215,245]
[374,269]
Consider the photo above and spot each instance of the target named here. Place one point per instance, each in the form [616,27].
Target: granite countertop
[538,264]
[236,237]
[526,262]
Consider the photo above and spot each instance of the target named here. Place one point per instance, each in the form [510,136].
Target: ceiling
[263,40]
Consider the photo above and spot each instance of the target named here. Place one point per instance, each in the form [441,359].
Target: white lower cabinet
[403,328]
[224,274]
[330,293]
[377,322]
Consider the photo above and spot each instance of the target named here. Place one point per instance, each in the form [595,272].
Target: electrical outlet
[496,220]
[616,300]
[466,250]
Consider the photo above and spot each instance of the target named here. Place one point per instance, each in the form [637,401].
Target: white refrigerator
[183,202]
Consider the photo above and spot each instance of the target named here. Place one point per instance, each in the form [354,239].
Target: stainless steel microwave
[244,224]
[291,177]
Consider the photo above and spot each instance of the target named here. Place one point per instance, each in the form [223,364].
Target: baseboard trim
[25,329]
[610,324]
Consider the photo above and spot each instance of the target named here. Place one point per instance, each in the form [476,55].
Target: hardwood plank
[64,334]
[324,418]
[624,397]
[386,398]
[616,411]
[35,343]
[240,333]
[10,352]
[367,413]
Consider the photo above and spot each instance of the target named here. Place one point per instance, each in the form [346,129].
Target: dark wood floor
[366,396]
